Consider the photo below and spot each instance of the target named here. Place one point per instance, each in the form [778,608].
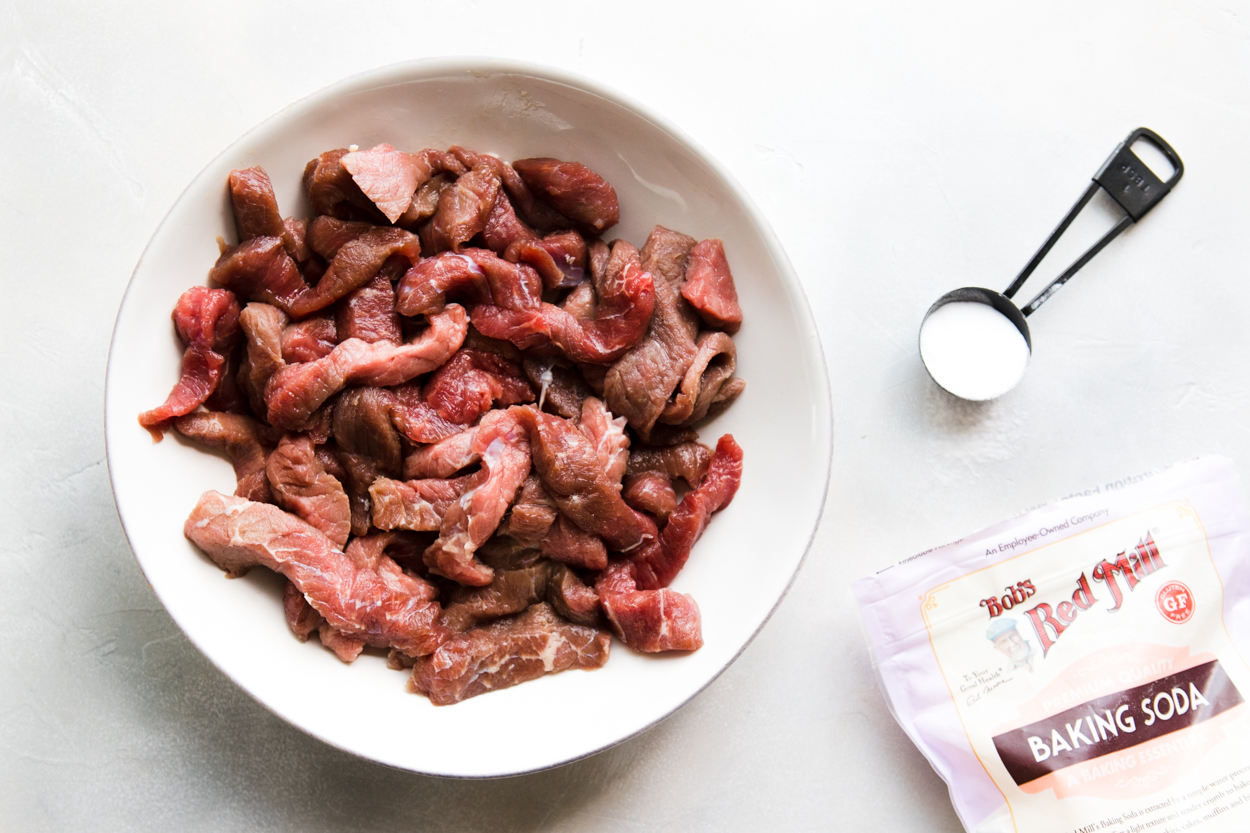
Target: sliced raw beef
[569,467]
[607,433]
[574,190]
[418,505]
[262,326]
[238,534]
[301,484]
[332,191]
[295,391]
[260,269]
[355,264]
[471,382]
[650,491]
[310,339]
[650,621]
[463,210]
[207,322]
[445,457]
[709,381]
[475,276]
[503,448]
[709,287]
[533,513]
[687,460]
[567,543]
[655,565]
[368,313]
[506,653]
[240,437]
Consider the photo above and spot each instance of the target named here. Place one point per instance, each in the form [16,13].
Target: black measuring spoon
[975,342]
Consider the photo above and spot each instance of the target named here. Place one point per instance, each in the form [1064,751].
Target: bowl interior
[739,570]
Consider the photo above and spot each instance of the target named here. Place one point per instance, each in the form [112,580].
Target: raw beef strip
[471,381]
[363,426]
[295,391]
[560,258]
[503,553]
[295,238]
[572,598]
[621,319]
[262,326]
[369,313]
[365,603]
[707,380]
[475,275]
[650,491]
[569,544]
[207,322]
[639,385]
[359,473]
[510,591]
[310,339]
[648,620]
[607,433]
[666,254]
[240,438]
[506,653]
[261,270]
[561,388]
[256,211]
[416,420]
[574,190]
[533,513]
[688,461]
[326,235]
[332,191]
[463,210]
[443,458]
[303,619]
[709,286]
[356,263]
[503,227]
[503,446]
[655,565]
[569,467]
[301,484]
[418,505]
[387,176]
[425,201]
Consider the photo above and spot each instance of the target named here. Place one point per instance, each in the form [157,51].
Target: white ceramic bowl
[738,572]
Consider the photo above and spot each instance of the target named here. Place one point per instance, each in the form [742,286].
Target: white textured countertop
[899,150]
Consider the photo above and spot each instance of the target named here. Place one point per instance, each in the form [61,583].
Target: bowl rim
[401,72]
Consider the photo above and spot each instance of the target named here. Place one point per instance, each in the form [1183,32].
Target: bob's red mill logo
[1124,572]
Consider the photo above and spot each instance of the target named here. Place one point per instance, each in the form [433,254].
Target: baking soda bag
[1082,667]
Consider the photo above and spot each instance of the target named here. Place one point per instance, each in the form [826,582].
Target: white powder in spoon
[973,350]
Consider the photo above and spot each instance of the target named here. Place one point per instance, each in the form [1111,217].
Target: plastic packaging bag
[1080,668]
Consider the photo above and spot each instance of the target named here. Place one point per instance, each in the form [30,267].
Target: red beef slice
[650,621]
[709,287]
[207,322]
[240,438]
[369,603]
[574,190]
[506,653]
[301,484]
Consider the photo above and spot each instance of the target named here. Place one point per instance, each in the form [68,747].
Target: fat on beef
[295,391]
[207,322]
[301,484]
[506,653]
[238,534]
[240,437]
